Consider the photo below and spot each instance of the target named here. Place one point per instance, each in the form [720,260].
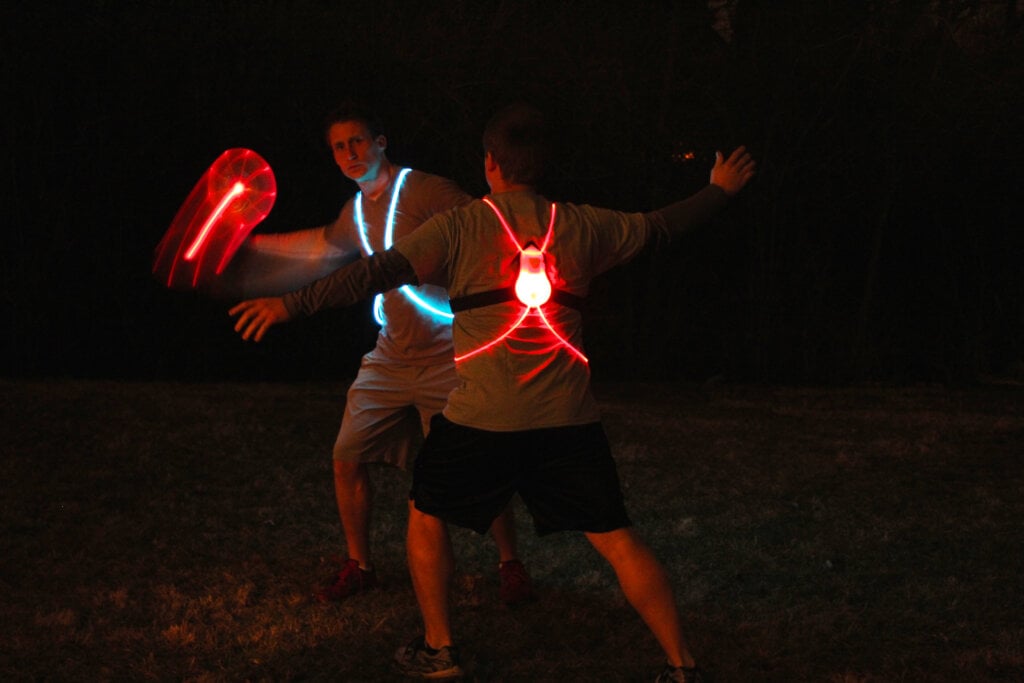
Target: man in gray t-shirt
[405,379]
[522,419]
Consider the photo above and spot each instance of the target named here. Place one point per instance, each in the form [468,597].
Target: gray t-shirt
[411,335]
[529,380]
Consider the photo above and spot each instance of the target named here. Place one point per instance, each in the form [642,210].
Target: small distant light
[683,157]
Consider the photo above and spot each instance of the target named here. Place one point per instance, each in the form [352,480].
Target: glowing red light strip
[565,343]
[504,223]
[551,228]
[236,189]
[491,343]
[512,235]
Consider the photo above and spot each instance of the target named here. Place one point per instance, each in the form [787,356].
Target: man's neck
[373,188]
[498,186]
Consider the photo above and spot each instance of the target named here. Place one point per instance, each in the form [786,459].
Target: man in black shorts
[523,419]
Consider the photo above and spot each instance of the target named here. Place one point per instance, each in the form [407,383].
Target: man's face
[357,153]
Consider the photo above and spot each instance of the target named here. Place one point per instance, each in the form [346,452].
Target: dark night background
[880,240]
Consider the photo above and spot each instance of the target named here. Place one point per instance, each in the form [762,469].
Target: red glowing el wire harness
[230,199]
[532,288]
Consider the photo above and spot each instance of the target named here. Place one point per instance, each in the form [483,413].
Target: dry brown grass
[160,531]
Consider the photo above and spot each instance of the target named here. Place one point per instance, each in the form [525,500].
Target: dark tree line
[879,240]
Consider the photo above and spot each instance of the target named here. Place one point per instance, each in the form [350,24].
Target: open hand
[256,316]
[733,173]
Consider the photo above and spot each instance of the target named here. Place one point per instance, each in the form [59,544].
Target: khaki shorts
[388,410]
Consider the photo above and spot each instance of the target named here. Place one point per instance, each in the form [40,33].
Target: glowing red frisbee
[230,199]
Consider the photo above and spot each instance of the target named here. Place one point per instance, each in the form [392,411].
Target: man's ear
[489,163]
[382,141]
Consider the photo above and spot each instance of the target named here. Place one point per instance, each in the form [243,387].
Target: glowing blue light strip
[378,301]
[361,225]
[389,233]
[389,227]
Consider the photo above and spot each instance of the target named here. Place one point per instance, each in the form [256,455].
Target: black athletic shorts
[565,475]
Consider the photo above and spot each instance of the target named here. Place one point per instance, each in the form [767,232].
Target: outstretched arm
[728,176]
[344,287]
[274,263]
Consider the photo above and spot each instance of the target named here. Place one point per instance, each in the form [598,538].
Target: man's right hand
[256,316]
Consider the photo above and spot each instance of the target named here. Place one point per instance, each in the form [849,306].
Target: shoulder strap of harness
[500,296]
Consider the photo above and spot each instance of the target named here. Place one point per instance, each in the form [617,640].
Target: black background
[879,241]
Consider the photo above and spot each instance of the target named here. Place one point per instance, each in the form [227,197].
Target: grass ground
[160,531]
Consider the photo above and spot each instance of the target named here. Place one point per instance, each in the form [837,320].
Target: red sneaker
[349,581]
[516,586]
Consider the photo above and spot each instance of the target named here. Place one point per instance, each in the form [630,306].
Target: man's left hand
[733,173]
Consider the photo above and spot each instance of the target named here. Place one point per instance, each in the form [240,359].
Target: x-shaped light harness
[533,287]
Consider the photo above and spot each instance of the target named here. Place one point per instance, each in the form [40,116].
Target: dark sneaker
[416,660]
[516,586]
[680,674]
[349,581]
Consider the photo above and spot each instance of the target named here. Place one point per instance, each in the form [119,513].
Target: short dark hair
[353,111]
[516,136]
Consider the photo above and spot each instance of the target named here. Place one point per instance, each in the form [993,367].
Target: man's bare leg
[647,589]
[503,530]
[353,494]
[352,491]
[515,584]
[431,565]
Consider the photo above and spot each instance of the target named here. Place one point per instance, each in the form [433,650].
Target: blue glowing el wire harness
[389,233]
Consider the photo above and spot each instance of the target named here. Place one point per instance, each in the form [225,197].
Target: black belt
[500,296]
